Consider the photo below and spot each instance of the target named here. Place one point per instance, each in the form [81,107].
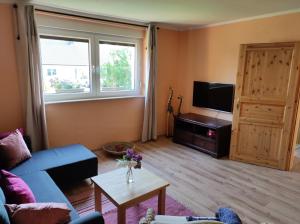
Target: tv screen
[216,96]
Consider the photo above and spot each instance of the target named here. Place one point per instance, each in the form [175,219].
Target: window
[117,63]
[65,65]
[81,65]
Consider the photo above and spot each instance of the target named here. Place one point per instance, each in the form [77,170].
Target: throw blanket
[225,215]
[228,216]
[197,218]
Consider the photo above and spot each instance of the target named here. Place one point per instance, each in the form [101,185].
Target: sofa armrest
[92,218]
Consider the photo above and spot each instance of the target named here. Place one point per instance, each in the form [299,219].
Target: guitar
[170,111]
[180,103]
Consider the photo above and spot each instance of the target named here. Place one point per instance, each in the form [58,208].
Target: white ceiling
[177,13]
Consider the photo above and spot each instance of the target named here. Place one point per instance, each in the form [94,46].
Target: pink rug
[134,214]
[84,203]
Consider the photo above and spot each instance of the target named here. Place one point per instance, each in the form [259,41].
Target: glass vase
[129,175]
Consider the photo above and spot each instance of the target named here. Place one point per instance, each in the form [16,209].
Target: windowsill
[94,99]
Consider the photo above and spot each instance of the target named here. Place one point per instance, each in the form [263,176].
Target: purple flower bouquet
[131,159]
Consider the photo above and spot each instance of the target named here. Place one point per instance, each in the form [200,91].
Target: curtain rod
[87,17]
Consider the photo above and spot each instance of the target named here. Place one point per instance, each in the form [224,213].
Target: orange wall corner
[10,99]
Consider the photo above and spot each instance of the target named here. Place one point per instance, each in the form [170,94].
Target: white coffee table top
[113,184]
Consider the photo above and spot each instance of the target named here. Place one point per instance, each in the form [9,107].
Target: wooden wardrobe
[266,113]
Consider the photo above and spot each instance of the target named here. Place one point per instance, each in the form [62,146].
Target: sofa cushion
[37,213]
[15,189]
[7,133]
[45,190]
[4,219]
[3,214]
[72,162]
[2,197]
[13,150]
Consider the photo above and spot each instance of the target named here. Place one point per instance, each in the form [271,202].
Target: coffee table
[123,195]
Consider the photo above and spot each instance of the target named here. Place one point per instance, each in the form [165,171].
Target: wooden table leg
[121,215]
[98,202]
[162,201]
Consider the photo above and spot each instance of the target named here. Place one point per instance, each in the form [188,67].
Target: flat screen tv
[217,96]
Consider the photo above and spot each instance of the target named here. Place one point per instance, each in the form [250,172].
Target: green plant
[117,72]
[63,84]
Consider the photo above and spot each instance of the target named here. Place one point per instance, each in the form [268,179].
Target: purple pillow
[16,191]
[13,150]
[7,133]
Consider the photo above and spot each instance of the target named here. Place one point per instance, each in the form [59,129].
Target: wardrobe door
[266,104]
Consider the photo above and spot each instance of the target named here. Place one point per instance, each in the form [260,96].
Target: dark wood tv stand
[193,130]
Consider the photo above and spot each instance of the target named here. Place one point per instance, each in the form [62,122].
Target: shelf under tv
[192,130]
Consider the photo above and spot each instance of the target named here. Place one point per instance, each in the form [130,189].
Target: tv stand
[206,134]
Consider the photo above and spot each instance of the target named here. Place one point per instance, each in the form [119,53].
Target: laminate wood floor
[204,184]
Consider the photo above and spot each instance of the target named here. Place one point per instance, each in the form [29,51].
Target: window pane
[117,66]
[65,65]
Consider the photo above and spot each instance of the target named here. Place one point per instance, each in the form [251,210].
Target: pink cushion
[13,150]
[15,189]
[7,133]
[38,213]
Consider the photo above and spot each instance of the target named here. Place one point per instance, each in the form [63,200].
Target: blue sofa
[50,168]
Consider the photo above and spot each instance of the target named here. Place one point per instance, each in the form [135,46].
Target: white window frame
[114,39]
[94,59]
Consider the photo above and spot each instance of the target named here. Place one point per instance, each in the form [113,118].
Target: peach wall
[211,54]
[167,67]
[10,102]
[94,123]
